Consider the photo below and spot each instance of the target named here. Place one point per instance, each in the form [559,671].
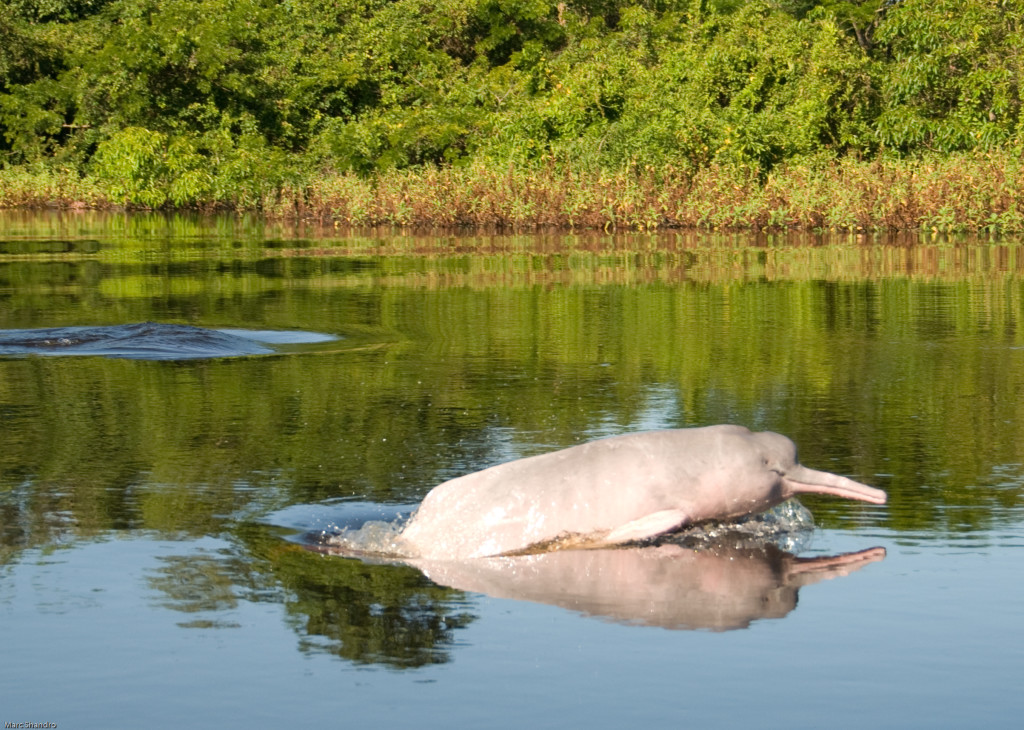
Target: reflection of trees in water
[199,584]
[362,612]
[897,361]
[372,613]
[194,583]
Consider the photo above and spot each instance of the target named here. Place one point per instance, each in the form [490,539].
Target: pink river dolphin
[615,491]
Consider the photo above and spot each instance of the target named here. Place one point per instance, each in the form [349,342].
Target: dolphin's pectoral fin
[648,526]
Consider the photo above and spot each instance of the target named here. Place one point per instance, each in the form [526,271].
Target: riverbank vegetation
[522,113]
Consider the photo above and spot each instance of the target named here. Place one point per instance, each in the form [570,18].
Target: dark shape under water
[149,341]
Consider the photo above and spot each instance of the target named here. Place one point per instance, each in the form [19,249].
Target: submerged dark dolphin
[615,491]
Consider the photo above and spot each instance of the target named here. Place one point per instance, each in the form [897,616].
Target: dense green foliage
[194,101]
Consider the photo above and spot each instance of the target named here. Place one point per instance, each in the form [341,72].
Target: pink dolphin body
[614,491]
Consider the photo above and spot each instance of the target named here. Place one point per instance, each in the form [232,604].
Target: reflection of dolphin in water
[717,588]
[615,491]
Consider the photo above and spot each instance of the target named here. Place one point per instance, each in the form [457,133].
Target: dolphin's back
[584,490]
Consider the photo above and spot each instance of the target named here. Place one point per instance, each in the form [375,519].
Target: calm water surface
[155,511]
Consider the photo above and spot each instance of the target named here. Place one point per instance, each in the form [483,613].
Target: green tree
[858,17]
[952,80]
[755,88]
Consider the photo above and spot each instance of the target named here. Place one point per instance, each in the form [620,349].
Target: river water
[162,507]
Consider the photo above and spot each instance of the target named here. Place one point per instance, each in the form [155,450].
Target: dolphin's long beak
[801,480]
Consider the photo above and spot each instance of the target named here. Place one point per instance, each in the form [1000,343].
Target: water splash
[347,526]
[788,526]
[375,537]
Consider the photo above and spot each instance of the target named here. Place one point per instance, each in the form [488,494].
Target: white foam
[375,537]
[789,526]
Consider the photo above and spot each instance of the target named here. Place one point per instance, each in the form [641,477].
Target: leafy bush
[144,168]
[242,102]
[953,77]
